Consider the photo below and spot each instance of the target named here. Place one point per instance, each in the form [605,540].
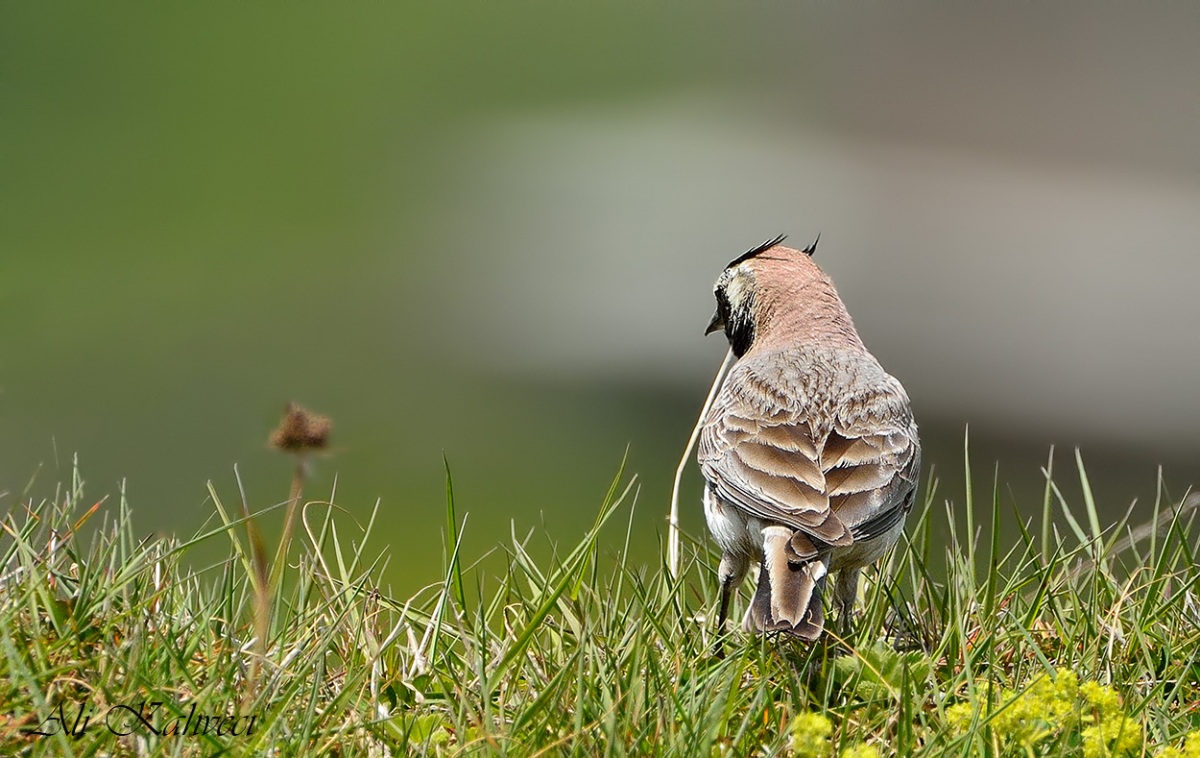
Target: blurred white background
[493,230]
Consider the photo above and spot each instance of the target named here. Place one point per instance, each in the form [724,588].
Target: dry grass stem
[673,515]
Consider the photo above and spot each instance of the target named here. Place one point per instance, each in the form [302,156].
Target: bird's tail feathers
[788,598]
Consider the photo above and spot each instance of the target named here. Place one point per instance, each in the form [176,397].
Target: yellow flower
[1056,705]
[1113,737]
[959,717]
[1043,708]
[1103,699]
[861,750]
[1191,748]
[810,735]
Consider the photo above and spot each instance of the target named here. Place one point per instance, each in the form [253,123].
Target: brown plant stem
[289,521]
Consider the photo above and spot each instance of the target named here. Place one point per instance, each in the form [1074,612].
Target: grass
[1074,641]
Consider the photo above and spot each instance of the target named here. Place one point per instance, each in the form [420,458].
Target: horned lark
[809,451]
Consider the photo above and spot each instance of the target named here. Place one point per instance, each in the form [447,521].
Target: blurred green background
[490,230]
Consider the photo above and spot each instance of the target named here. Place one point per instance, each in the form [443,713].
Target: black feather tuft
[756,250]
[813,247]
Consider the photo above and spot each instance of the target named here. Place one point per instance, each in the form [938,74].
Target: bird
[809,451]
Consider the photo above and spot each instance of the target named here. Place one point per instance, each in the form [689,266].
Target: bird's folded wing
[850,483]
[757,456]
[872,475]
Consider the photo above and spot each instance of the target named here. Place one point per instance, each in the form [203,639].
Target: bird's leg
[731,572]
[845,592]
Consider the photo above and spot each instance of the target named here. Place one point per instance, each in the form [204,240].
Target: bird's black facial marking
[760,249]
[735,303]
[735,299]
[739,329]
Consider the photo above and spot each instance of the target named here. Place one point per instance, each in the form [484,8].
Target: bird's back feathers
[826,454]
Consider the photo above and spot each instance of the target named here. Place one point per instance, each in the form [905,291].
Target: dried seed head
[300,430]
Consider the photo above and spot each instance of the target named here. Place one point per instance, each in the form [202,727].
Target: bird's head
[749,288]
